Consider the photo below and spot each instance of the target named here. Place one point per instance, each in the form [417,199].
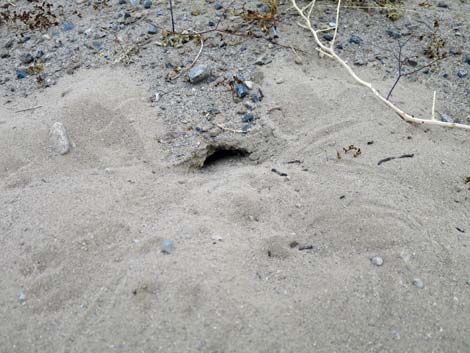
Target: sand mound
[271,256]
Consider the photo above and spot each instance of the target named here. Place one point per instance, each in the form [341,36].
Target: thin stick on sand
[306,14]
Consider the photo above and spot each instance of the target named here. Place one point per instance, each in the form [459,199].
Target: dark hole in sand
[224,155]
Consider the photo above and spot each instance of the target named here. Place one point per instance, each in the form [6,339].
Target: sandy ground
[81,234]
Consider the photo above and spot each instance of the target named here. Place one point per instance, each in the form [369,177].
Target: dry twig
[306,14]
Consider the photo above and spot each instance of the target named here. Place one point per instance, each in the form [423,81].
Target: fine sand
[81,233]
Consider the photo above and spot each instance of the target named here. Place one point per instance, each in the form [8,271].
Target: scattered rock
[241,90]
[147,4]
[152,29]
[22,297]
[4,54]
[446,118]
[462,73]
[418,283]
[355,39]
[199,73]
[168,246]
[20,74]
[248,118]
[394,34]
[328,37]
[67,26]
[377,261]
[293,244]
[249,84]
[455,51]
[467,59]
[26,58]
[250,105]
[59,140]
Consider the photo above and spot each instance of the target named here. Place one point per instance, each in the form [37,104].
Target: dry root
[328,50]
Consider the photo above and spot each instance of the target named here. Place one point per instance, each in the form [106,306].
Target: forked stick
[306,13]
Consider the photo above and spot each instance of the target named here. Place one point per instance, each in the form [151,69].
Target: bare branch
[331,53]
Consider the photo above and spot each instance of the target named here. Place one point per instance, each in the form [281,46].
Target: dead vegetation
[39,17]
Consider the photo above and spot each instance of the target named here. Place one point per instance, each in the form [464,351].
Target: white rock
[249,84]
[377,261]
[59,140]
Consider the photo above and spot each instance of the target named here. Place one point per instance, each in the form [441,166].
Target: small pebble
[248,118]
[147,4]
[249,84]
[446,118]
[199,73]
[168,246]
[462,73]
[152,29]
[67,26]
[20,74]
[26,58]
[467,59]
[59,140]
[355,39]
[241,90]
[394,34]
[22,297]
[418,283]
[377,261]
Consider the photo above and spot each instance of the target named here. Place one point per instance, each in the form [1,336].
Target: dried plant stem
[329,51]
[195,59]
[172,16]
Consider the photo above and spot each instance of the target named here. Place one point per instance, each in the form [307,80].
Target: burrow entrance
[218,155]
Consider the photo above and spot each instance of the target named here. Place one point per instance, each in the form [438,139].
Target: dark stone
[411,62]
[24,39]
[241,90]
[248,118]
[67,26]
[98,45]
[26,58]
[394,34]
[147,4]
[255,98]
[152,29]
[328,37]
[467,59]
[355,39]
[199,73]
[455,51]
[462,73]
[20,74]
